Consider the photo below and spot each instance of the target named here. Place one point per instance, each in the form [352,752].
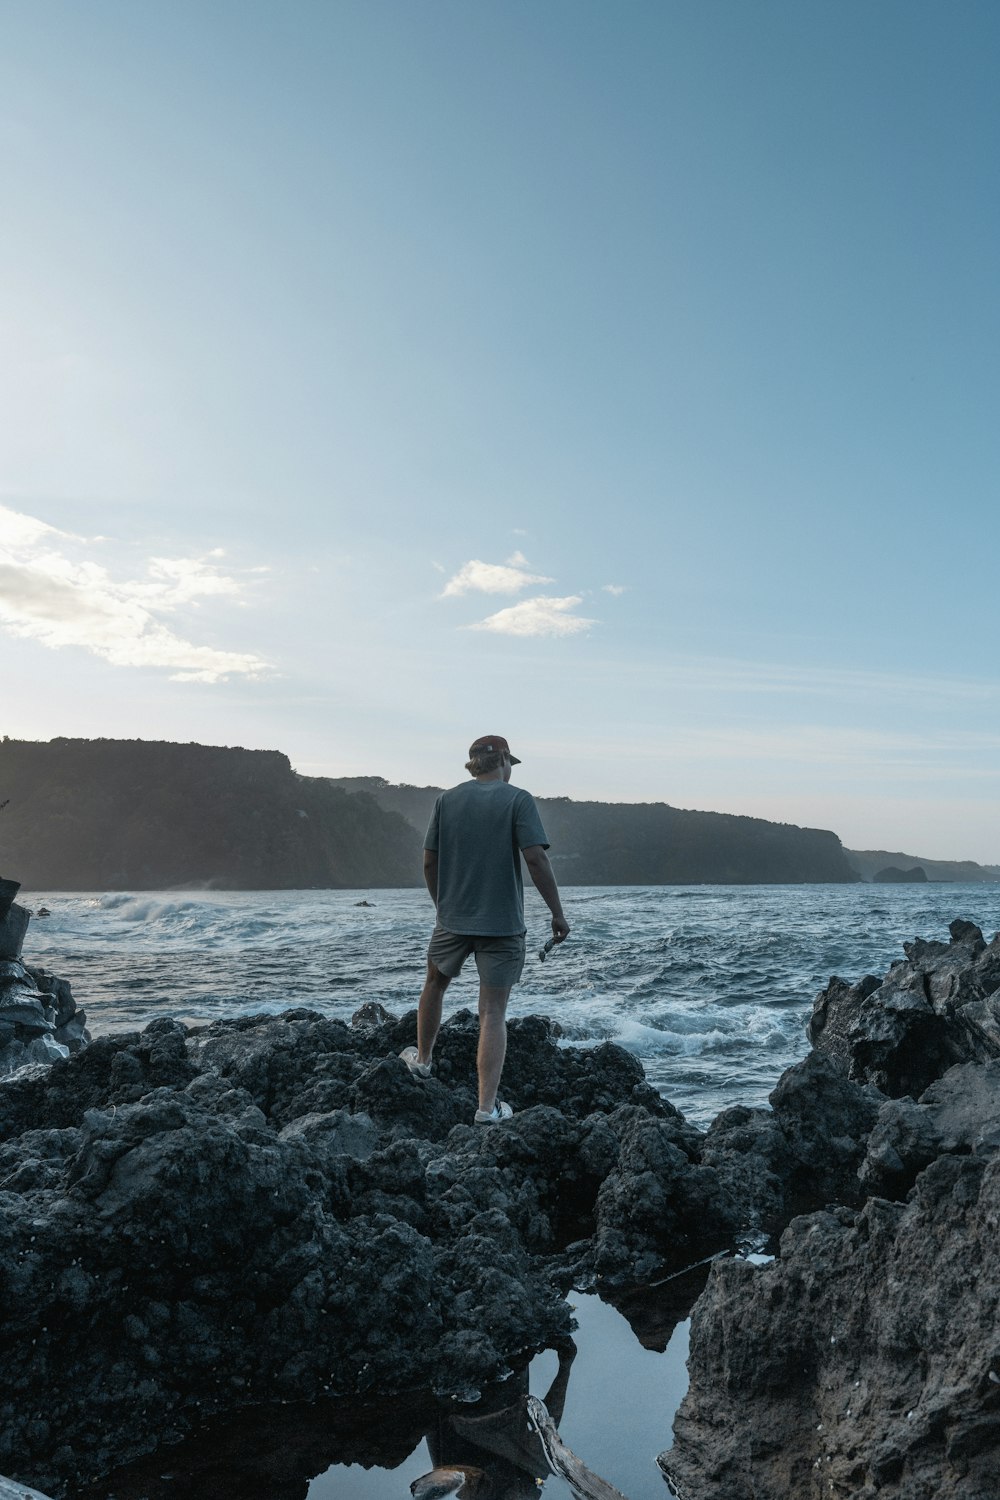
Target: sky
[618,377]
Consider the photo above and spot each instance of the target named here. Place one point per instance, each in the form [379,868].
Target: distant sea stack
[652,843]
[893,875]
[868,862]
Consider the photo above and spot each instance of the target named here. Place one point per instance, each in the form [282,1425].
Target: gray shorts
[499,960]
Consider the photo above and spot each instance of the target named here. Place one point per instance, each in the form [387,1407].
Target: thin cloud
[614,588]
[176,581]
[20,531]
[492,578]
[910,756]
[716,675]
[52,594]
[543,615]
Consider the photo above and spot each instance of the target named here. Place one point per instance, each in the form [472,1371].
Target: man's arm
[544,881]
[431,873]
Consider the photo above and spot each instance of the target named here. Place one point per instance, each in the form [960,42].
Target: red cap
[488,742]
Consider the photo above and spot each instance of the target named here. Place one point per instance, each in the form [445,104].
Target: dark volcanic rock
[194,1221]
[274,1208]
[13,926]
[864,1361]
[654,1205]
[802,1153]
[8,890]
[39,1021]
[958,1114]
[938,1006]
[893,875]
[11,1491]
[272,1453]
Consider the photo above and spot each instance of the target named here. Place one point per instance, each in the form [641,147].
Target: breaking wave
[710,986]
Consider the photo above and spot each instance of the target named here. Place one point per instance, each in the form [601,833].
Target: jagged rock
[802,1153]
[13,926]
[39,1020]
[271,1208]
[826,1120]
[938,1007]
[960,1113]
[26,1012]
[28,1020]
[372,1013]
[9,1490]
[655,1205]
[338,1133]
[272,1453]
[864,1360]
[8,890]
[275,1208]
[59,997]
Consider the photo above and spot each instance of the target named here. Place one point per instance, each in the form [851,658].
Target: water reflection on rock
[273,1452]
[484,1450]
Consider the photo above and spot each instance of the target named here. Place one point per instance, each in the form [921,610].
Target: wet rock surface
[272,1453]
[802,1152]
[938,1006]
[39,1019]
[274,1209]
[865,1359]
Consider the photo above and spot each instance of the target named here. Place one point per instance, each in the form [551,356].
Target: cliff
[652,843]
[144,815]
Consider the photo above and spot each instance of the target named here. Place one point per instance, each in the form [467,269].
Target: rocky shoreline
[39,1018]
[865,1359]
[199,1221]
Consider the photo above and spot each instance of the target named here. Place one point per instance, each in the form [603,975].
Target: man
[472,866]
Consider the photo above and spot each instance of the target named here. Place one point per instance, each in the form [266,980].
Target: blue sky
[622,378]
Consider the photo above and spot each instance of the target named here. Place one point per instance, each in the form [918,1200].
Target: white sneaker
[411,1057]
[494,1116]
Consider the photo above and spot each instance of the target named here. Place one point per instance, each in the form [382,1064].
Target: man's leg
[492,1041]
[429,1011]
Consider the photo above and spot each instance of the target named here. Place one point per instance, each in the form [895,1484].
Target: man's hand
[540,871]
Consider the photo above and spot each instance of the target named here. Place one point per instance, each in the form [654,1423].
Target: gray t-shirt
[478,830]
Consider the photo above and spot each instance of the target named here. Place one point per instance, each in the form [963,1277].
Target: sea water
[710,986]
[620,1392]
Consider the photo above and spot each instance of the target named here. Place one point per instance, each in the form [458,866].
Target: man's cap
[488,742]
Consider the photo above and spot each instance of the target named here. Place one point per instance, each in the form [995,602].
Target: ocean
[710,986]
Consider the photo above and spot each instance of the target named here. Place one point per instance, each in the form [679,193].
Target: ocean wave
[650,1041]
[713,1001]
